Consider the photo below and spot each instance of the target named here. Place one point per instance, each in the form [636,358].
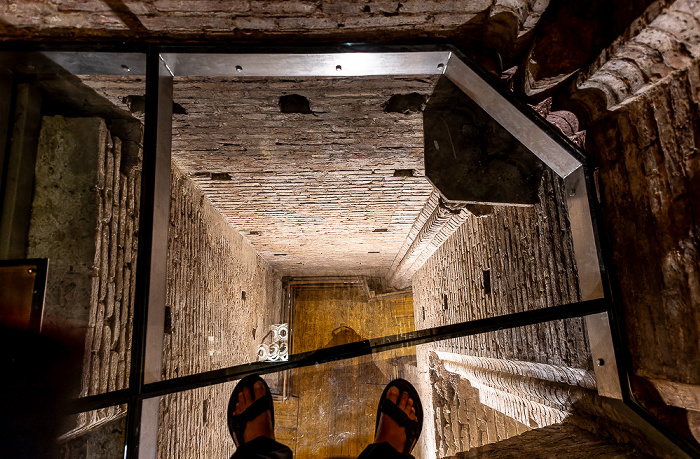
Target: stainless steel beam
[307,65]
[99,63]
[151,284]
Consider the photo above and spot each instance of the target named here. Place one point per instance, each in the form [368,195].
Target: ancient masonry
[85,172]
[222,297]
[558,440]
[515,259]
[511,260]
[642,97]
[279,172]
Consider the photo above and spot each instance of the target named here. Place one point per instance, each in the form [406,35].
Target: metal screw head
[239,68]
[338,68]
[600,362]
[31,270]
[126,68]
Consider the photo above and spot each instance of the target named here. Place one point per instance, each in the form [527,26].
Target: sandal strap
[412,427]
[257,408]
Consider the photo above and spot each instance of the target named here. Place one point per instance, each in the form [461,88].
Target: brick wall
[221,293]
[213,324]
[529,255]
[462,422]
[560,440]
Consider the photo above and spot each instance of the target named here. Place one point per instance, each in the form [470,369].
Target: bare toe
[393,394]
[403,400]
[259,389]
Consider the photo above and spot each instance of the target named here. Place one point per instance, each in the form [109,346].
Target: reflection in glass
[100,434]
[72,195]
[470,398]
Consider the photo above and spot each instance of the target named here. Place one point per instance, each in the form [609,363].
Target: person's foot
[261,425]
[389,430]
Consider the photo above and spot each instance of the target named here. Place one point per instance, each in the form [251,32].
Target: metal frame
[41,265]
[164,62]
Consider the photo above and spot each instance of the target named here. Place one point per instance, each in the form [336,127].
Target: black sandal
[391,409]
[237,423]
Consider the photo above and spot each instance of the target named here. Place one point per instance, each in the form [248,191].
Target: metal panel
[148,434]
[591,284]
[153,358]
[19,179]
[603,353]
[585,246]
[161,221]
[149,309]
[22,293]
[308,65]
[523,128]
[99,63]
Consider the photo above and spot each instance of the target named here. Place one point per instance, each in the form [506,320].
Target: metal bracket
[603,353]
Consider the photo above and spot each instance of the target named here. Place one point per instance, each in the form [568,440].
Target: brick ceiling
[314,193]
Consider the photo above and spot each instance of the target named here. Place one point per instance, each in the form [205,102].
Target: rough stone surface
[529,256]
[646,147]
[212,324]
[192,424]
[85,220]
[501,24]
[66,176]
[664,49]
[105,440]
[570,33]
[462,422]
[559,440]
[315,194]
[435,223]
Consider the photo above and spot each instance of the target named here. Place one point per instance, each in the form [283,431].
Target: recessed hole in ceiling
[254,233]
[403,173]
[280,254]
[220,176]
[381,230]
[294,103]
[404,103]
[372,252]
